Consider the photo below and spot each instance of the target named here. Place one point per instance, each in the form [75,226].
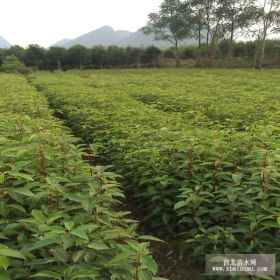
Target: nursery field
[198,150]
[59,216]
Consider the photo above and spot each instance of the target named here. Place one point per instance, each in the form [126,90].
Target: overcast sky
[44,22]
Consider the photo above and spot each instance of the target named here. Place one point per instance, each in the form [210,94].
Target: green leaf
[17,207]
[11,253]
[24,192]
[265,277]
[79,232]
[237,178]
[3,209]
[38,215]
[69,225]
[84,274]
[55,216]
[2,178]
[149,262]
[278,221]
[22,175]
[5,276]
[44,242]
[68,241]
[60,254]
[179,205]
[79,255]
[120,258]
[47,274]
[98,245]
[4,262]
[150,238]
[145,275]
[134,244]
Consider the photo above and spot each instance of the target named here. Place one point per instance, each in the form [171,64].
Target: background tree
[208,8]
[169,53]
[151,55]
[2,56]
[98,56]
[134,56]
[190,52]
[35,56]
[199,24]
[57,54]
[238,15]
[209,23]
[17,51]
[172,23]
[77,56]
[116,56]
[268,22]
[215,20]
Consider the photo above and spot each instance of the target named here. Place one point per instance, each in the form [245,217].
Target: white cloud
[46,21]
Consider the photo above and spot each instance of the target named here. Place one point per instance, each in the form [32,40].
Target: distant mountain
[61,42]
[106,36]
[4,44]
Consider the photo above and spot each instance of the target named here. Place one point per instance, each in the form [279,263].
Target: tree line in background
[243,54]
[210,21]
[76,57]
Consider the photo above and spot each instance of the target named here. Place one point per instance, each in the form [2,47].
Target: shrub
[12,64]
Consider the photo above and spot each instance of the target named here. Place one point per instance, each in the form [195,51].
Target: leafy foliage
[58,213]
[173,23]
[197,150]
[12,64]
